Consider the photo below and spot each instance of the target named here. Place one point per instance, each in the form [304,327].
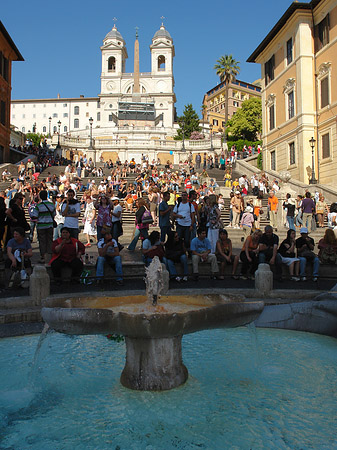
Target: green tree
[247,121]
[35,137]
[188,123]
[227,68]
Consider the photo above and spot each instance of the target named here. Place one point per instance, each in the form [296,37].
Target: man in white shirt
[184,215]
[116,219]
[71,210]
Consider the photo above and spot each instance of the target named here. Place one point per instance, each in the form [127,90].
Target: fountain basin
[152,333]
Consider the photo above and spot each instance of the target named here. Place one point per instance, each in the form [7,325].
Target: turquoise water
[269,389]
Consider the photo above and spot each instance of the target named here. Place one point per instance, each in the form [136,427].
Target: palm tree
[227,68]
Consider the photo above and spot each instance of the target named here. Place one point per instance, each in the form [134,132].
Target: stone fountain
[153,325]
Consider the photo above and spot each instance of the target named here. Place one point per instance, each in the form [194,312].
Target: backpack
[147,218]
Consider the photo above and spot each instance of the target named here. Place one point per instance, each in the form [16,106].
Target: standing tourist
[184,214]
[71,210]
[44,212]
[273,208]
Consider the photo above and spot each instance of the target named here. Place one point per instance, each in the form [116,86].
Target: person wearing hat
[247,221]
[237,208]
[30,168]
[305,246]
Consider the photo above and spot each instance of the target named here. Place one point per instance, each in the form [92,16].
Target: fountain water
[153,332]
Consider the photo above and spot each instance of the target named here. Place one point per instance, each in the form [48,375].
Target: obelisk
[136,87]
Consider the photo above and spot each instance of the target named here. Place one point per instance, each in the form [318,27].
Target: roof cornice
[295,6]
[10,41]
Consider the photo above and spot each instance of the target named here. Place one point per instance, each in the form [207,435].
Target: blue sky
[60,41]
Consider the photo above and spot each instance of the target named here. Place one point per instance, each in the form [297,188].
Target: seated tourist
[17,248]
[287,253]
[224,254]
[152,247]
[305,246]
[108,252]
[201,253]
[268,249]
[249,255]
[328,248]
[175,252]
[67,252]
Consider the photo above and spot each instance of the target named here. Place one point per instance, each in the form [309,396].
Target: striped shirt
[44,212]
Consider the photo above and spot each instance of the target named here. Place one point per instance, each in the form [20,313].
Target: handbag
[147,218]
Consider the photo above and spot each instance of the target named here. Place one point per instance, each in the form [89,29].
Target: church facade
[128,102]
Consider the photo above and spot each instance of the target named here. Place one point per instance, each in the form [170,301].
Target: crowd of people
[183,203]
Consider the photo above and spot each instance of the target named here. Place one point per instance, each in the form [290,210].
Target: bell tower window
[161,63]
[112,64]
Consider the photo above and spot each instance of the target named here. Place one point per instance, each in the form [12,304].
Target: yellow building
[299,97]
[214,101]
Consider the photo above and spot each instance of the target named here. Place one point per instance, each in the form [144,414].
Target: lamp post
[90,123]
[183,128]
[58,137]
[313,176]
[210,130]
[49,126]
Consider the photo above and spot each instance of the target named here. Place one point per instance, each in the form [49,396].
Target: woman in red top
[67,252]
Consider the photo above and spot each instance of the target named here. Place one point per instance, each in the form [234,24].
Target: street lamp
[183,128]
[313,177]
[49,126]
[211,128]
[58,137]
[90,123]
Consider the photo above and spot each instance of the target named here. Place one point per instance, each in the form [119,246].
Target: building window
[65,114]
[76,123]
[98,116]
[322,33]
[3,113]
[23,116]
[273,160]
[13,106]
[215,122]
[325,146]
[271,117]
[65,105]
[4,67]
[65,129]
[291,106]
[44,129]
[87,114]
[76,110]
[23,129]
[110,117]
[292,153]
[44,116]
[55,115]
[112,64]
[44,105]
[269,68]
[98,104]
[289,51]
[55,130]
[13,116]
[34,116]
[223,124]
[34,106]
[324,92]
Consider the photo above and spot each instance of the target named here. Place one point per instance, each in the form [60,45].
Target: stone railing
[203,145]
[243,166]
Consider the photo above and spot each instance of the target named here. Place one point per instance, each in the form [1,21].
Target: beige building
[214,101]
[299,97]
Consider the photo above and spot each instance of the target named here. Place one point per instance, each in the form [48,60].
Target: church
[136,108]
